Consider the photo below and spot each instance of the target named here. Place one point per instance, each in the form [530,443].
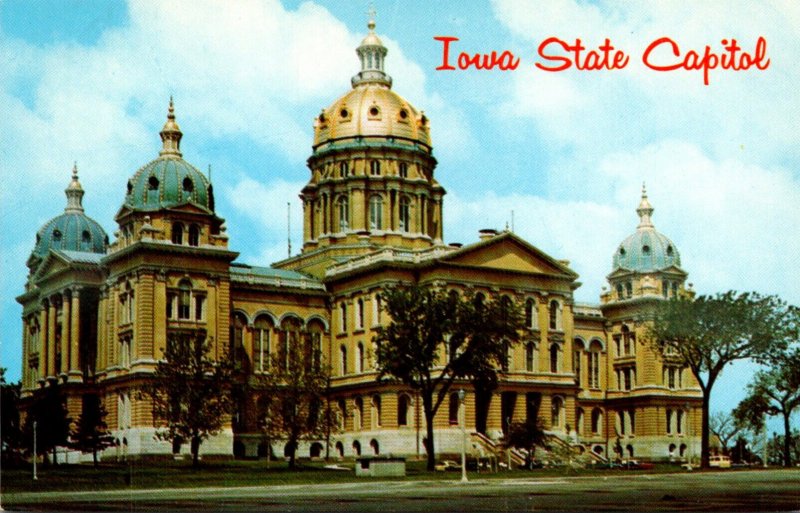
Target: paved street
[726,491]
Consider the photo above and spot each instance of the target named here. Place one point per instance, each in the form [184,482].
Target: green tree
[294,404]
[91,431]
[526,435]
[190,392]
[710,332]
[48,409]
[425,320]
[774,391]
[9,417]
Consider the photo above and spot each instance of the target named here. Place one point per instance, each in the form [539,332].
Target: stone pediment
[508,252]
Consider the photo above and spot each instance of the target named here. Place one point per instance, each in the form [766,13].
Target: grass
[180,474]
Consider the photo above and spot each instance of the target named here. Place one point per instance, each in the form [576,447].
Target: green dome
[166,182]
[169,181]
[647,250]
[73,230]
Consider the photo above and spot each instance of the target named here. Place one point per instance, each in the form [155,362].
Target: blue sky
[567,152]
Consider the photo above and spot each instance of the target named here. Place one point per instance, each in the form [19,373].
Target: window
[343,317]
[184,300]
[358,413]
[680,419]
[579,421]
[629,289]
[374,167]
[125,353]
[576,361]
[505,364]
[290,340]
[632,421]
[342,414]
[403,168]
[531,314]
[403,407]
[177,233]
[313,336]
[453,409]
[342,360]
[594,364]
[620,292]
[188,185]
[237,337]
[404,214]
[360,314]
[556,413]
[621,423]
[376,212]
[343,167]
[597,421]
[554,357]
[555,315]
[376,411]
[152,183]
[261,343]
[360,357]
[194,235]
[376,309]
[669,422]
[530,357]
[344,214]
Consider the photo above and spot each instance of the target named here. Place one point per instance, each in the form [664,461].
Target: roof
[244,273]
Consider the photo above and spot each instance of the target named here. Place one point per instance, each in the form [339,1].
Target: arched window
[360,358]
[374,167]
[376,411]
[577,357]
[177,233]
[194,235]
[342,360]
[594,364]
[453,409]
[344,214]
[291,328]
[360,314]
[237,336]
[403,409]
[555,315]
[531,314]
[597,421]
[376,449]
[376,212]
[403,168]
[554,357]
[261,343]
[313,333]
[579,421]
[358,413]
[557,412]
[356,447]
[404,214]
[530,356]
[343,317]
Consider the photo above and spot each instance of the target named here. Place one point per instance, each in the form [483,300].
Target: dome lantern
[171,134]
[74,193]
[372,54]
[645,210]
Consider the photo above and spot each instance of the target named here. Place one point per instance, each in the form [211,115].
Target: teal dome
[169,181]
[646,250]
[73,230]
[166,182]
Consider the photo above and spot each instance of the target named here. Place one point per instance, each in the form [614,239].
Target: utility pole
[35,453]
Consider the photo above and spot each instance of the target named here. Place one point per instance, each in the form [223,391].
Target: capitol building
[97,311]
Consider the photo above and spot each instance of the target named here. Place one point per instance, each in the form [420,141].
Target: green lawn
[178,474]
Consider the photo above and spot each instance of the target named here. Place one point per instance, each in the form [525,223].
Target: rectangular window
[594,369]
[199,301]
[343,317]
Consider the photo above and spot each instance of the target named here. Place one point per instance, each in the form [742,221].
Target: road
[775,490]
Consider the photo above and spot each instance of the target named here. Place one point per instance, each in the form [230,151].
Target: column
[65,333]
[42,349]
[102,333]
[51,340]
[75,335]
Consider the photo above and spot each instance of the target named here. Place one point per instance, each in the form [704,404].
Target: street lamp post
[461,395]
[688,437]
[35,454]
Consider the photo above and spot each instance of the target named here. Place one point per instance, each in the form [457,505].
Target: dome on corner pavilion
[646,250]
[169,181]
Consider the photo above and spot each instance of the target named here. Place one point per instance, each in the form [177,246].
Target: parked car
[447,465]
[719,461]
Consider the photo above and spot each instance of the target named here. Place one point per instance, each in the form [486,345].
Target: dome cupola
[646,250]
[73,230]
[169,181]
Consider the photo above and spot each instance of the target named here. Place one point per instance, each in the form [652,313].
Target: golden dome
[371,109]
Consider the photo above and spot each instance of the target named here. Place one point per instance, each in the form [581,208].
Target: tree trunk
[704,440]
[427,405]
[94,456]
[55,456]
[787,439]
[195,450]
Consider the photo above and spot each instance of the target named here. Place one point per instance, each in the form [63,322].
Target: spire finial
[371,13]
[74,193]
[645,210]
[171,133]
[372,54]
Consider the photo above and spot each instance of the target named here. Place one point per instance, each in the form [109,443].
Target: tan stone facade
[372,218]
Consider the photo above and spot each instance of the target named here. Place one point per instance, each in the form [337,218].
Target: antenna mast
[289,228]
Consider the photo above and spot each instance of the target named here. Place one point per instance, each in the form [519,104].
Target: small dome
[169,181]
[73,230]
[647,249]
[371,108]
